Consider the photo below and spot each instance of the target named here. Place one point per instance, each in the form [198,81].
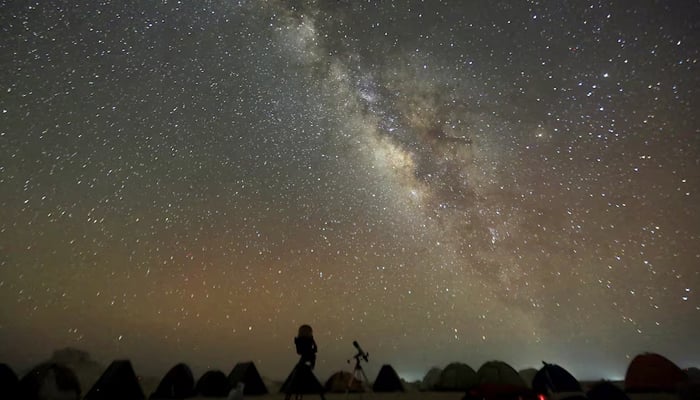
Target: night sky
[439,180]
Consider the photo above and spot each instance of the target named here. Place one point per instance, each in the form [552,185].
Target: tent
[387,380]
[552,378]
[606,391]
[213,384]
[247,374]
[528,374]
[653,373]
[691,391]
[498,373]
[49,381]
[178,383]
[693,374]
[496,378]
[431,379]
[302,381]
[339,381]
[456,377]
[9,383]
[117,382]
[85,368]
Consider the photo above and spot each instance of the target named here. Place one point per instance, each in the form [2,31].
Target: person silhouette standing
[302,380]
[306,346]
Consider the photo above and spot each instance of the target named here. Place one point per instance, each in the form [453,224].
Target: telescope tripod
[302,381]
[358,375]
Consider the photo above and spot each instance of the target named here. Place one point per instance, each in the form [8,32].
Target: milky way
[439,180]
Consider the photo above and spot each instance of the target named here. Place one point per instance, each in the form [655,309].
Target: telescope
[358,375]
[360,353]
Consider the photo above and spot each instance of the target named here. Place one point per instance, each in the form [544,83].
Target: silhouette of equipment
[358,374]
[301,381]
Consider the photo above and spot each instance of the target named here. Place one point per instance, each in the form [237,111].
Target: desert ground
[363,396]
[416,396]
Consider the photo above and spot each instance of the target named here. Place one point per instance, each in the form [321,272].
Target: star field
[439,180]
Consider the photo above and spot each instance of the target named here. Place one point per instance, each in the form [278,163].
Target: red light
[541,397]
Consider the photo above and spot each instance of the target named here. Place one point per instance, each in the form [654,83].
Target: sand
[363,396]
[416,396]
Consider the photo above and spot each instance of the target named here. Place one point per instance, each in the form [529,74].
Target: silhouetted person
[306,346]
[302,380]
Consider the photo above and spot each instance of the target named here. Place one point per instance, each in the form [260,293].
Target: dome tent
[387,380]
[691,391]
[339,381]
[69,360]
[497,379]
[552,378]
[247,374]
[117,382]
[456,377]
[213,384]
[528,374]
[653,373]
[499,373]
[693,374]
[85,368]
[178,383]
[9,383]
[49,381]
[431,379]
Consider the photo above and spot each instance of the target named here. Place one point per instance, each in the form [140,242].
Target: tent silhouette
[213,384]
[693,374]
[116,383]
[178,383]
[387,380]
[338,383]
[653,373]
[85,368]
[498,373]
[496,379]
[302,381]
[606,391]
[9,383]
[431,379]
[456,377]
[528,375]
[247,374]
[552,378]
[49,380]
